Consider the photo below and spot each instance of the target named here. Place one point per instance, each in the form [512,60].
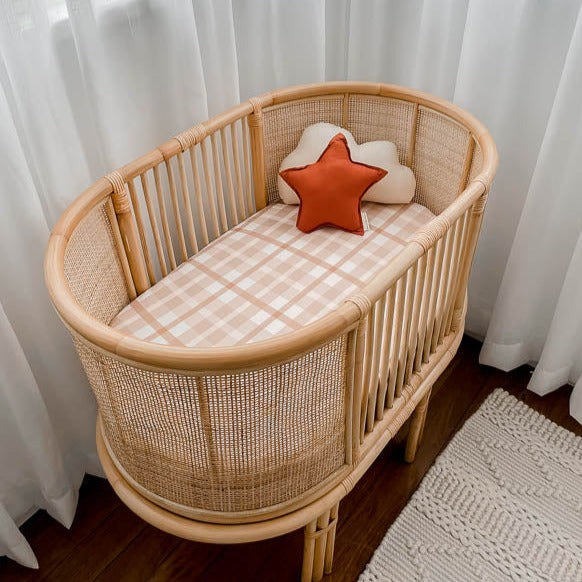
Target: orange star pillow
[330,190]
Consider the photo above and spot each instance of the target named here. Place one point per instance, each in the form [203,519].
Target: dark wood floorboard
[107,543]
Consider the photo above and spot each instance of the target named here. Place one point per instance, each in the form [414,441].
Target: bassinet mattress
[265,277]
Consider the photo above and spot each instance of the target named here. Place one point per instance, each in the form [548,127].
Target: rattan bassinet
[181,431]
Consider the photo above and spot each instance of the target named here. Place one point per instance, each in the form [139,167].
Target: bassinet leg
[319,545]
[416,428]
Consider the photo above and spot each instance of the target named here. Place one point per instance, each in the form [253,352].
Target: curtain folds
[538,312]
[87,85]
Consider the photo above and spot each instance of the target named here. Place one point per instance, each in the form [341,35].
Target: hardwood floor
[109,543]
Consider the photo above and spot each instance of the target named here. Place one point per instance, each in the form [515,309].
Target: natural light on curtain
[88,85]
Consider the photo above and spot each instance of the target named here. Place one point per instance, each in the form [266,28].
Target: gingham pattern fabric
[265,277]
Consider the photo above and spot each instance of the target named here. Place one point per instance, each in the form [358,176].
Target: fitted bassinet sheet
[265,277]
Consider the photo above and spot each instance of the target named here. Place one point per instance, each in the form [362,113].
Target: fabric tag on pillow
[365,222]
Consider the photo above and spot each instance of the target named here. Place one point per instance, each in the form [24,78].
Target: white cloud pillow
[397,187]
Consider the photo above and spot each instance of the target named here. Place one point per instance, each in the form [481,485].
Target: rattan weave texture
[199,441]
[372,118]
[93,268]
[283,126]
[439,159]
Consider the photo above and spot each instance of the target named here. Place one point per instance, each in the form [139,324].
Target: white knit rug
[502,502]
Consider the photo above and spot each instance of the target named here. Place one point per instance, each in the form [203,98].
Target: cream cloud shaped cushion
[397,187]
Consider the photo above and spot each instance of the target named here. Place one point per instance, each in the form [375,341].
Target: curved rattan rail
[426,280]
[284,346]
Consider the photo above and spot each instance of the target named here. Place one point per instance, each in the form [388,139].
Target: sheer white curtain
[86,85]
[538,312]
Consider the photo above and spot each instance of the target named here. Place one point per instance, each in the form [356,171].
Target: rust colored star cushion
[330,190]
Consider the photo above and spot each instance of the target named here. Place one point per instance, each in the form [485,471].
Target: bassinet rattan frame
[181,431]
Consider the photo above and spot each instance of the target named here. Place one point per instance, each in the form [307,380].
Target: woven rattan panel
[372,118]
[93,269]
[476,162]
[233,442]
[439,159]
[283,125]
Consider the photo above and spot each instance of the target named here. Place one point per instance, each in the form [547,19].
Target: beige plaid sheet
[265,277]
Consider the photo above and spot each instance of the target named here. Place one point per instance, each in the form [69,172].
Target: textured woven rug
[502,502]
